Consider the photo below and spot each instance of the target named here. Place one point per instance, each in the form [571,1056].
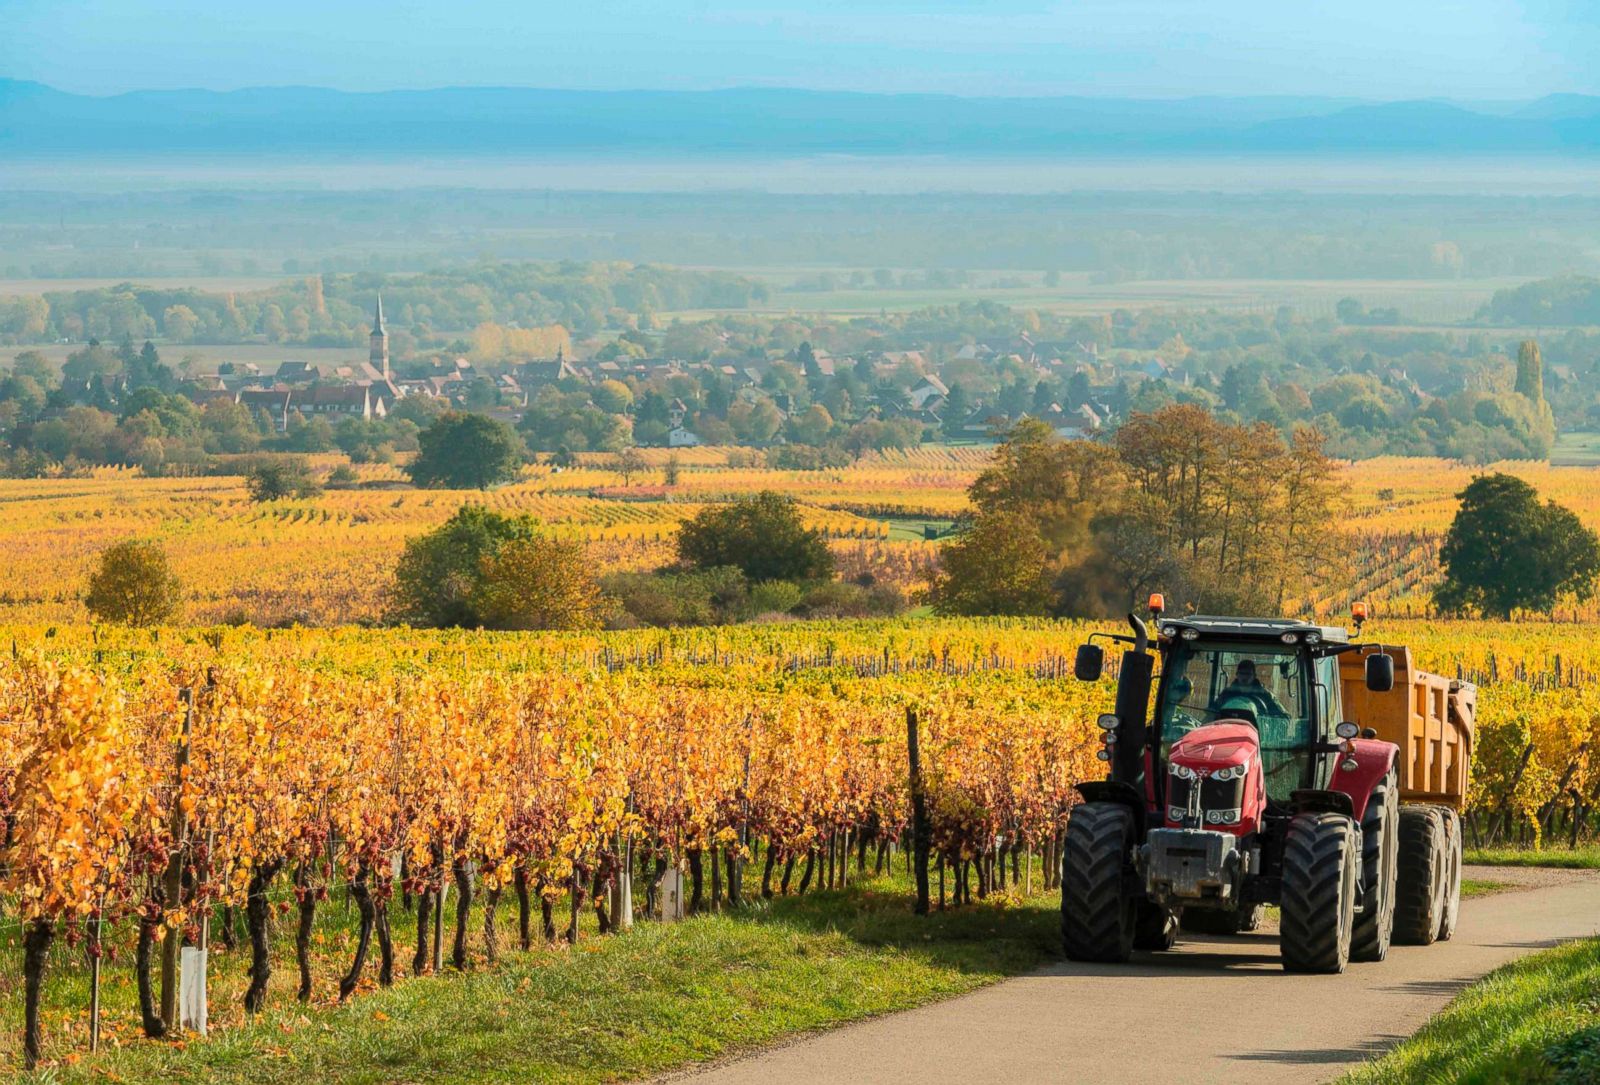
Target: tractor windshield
[1261,684]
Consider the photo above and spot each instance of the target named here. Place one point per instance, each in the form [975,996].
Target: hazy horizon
[890,174]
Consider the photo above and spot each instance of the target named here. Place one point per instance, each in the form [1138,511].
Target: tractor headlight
[1232,772]
[1288,638]
[1182,772]
[1106,721]
[1223,817]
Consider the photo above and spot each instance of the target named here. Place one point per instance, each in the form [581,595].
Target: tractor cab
[1279,679]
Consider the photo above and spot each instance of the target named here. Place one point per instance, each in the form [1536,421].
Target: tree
[999,566]
[1055,483]
[1505,551]
[670,470]
[538,583]
[1530,372]
[274,480]
[613,397]
[133,585]
[761,536]
[466,452]
[627,463]
[436,580]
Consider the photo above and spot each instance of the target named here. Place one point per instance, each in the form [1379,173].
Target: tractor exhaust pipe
[1133,705]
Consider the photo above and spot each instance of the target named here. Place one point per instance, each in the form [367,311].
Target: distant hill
[39,119]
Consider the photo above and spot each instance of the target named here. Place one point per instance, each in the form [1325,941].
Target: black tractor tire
[1217,921]
[1155,929]
[1450,914]
[1424,876]
[1380,864]
[1319,893]
[1098,914]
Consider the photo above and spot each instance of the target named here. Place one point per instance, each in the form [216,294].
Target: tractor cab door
[1330,710]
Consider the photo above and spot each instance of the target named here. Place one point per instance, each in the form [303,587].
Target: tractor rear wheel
[1098,914]
[1451,912]
[1380,860]
[1155,928]
[1424,873]
[1319,893]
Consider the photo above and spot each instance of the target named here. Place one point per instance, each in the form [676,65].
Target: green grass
[1585,858]
[1474,887]
[613,1007]
[914,530]
[1534,1021]
[1576,450]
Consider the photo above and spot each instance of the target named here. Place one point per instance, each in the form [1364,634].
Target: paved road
[1214,1010]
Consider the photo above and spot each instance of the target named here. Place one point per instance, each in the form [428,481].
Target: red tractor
[1284,764]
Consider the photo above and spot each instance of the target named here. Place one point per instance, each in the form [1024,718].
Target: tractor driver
[1246,688]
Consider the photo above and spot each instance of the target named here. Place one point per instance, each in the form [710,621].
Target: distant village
[369,390]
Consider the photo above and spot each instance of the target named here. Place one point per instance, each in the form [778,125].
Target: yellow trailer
[1431,719]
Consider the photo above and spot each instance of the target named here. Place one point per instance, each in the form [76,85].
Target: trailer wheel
[1452,896]
[1217,921]
[1319,893]
[1097,911]
[1155,929]
[1380,860]
[1424,872]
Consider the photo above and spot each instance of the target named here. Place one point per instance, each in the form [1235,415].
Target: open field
[323,560]
[267,356]
[222,283]
[1420,301]
[1576,450]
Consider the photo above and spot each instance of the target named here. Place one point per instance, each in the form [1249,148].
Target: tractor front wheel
[1380,863]
[1098,914]
[1319,893]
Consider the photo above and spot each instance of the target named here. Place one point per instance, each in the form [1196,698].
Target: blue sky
[1472,50]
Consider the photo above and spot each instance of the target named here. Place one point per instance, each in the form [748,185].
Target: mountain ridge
[38,118]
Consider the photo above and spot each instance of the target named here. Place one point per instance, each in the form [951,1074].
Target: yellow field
[324,560]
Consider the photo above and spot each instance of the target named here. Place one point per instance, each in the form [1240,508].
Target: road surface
[1212,1010]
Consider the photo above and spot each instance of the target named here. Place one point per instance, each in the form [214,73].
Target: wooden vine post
[921,831]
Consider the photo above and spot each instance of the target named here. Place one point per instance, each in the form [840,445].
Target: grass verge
[659,997]
[1585,858]
[1534,1021]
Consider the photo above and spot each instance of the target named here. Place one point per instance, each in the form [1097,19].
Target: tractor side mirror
[1090,663]
[1380,672]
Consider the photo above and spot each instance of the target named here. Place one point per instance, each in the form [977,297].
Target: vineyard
[323,560]
[416,772]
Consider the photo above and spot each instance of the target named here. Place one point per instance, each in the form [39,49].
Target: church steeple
[379,340]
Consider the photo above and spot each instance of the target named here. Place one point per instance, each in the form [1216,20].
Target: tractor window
[1256,683]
